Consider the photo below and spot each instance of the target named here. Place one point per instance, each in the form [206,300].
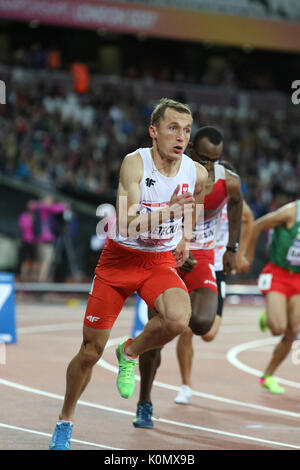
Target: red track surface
[229,410]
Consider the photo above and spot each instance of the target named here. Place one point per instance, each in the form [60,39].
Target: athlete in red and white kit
[140,257]
[198,272]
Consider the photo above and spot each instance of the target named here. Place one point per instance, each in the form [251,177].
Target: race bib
[265,281]
[293,256]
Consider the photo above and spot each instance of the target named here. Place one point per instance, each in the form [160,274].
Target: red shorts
[122,271]
[276,279]
[203,274]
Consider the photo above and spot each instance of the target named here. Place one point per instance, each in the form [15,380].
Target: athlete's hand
[181,253]
[189,264]
[242,264]
[182,204]
[229,261]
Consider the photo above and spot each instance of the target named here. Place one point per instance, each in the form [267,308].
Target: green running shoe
[125,379]
[263,322]
[271,384]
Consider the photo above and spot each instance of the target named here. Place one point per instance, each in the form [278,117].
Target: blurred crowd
[74,142]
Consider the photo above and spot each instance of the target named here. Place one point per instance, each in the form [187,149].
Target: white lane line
[103,363]
[231,356]
[208,396]
[236,350]
[32,431]
[167,421]
[45,328]
[115,341]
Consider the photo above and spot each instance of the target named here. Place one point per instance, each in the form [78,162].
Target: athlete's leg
[277,312]
[210,336]
[204,306]
[173,313]
[149,362]
[185,353]
[80,368]
[283,348]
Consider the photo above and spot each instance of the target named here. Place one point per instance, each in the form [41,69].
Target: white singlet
[156,191]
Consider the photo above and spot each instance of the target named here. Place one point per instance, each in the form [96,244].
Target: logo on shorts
[208,281]
[92,319]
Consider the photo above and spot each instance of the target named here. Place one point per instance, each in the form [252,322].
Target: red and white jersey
[156,191]
[206,227]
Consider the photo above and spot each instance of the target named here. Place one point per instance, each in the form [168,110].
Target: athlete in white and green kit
[280,282]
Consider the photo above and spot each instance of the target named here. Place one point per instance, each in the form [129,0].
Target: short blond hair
[159,110]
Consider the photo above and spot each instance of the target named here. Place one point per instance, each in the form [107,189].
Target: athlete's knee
[90,354]
[186,335]
[277,328]
[175,327]
[201,325]
[291,333]
[210,336]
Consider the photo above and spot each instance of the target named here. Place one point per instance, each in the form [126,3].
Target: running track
[228,409]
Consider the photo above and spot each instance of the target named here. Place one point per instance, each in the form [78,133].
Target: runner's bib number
[265,281]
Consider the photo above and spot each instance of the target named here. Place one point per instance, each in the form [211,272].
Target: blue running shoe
[143,417]
[61,436]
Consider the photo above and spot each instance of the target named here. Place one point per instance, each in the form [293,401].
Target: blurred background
[81,80]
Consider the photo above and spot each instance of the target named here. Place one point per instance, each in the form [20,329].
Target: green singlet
[285,245]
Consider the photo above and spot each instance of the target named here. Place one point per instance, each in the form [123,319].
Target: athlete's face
[171,136]
[206,153]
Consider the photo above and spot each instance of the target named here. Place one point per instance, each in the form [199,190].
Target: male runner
[279,281]
[156,188]
[185,351]
[222,187]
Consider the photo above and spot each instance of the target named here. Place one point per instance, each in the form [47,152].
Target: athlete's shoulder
[132,164]
[202,173]
[288,211]
[233,181]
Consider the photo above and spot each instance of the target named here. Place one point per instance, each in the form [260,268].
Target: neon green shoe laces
[125,379]
[272,385]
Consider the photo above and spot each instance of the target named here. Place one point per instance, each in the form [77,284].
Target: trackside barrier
[7,309]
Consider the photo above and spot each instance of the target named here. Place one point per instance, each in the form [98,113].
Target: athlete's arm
[128,200]
[285,216]
[234,212]
[242,264]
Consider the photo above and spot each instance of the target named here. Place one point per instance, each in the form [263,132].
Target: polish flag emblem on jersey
[185,188]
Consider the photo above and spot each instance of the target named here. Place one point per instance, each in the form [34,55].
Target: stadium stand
[269,9]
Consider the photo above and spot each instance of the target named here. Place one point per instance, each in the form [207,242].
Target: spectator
[27,255]
[44,232]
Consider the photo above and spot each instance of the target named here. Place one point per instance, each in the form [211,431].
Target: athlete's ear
[152,132]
